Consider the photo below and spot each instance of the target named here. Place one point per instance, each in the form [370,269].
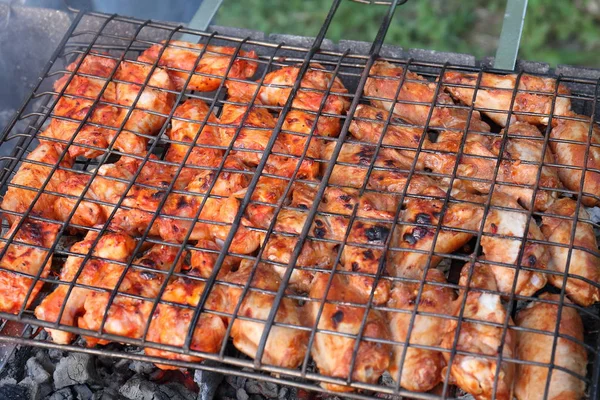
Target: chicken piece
[369,123]
[503,236]
[285,346]
[180,57]
[572,155]
[250,144]
[583,263]
[495,92]
[217,214]
[155,97]
[364,248]
[333,353]
[267,194]
[383,84]
[421,368]
[30,177]
[129,77]
[108,186]
[391,174]
[277,87]
[21,257]
[473,374]
[514,170]
[436,149]
[188,131]
[440,155]
[313,256]
[365,261]
[477,166]
[422,216]
[78,97]
[110,247]
[531,380]
[172,321]
[128,316]
[141,203]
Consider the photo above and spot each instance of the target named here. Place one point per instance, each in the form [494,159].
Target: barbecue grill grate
[99,32]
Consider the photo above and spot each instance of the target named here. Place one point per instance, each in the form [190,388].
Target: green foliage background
[556,31]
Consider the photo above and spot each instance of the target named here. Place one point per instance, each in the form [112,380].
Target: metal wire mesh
[102,35]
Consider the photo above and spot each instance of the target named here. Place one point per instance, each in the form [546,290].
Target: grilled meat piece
[583,263]
[277,87]
[531,380]
[30,177]
[22,257]
[572,155]
[472,373]
[179,58]
[495,92]
[333,353]
[285,346]
[110,247]
[421,368]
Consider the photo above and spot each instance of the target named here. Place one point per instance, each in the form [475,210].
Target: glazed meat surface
[472,373]
[214,62]
[531,380]
[496,91]
[583,263]
[333,353]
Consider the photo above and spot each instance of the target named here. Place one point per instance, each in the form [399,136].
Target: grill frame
[330,58]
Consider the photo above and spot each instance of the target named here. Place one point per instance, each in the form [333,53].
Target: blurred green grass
[556,32]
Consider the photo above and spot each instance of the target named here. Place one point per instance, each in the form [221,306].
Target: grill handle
[510,36]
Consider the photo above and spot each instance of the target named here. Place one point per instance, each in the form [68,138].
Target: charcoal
[56,355]
[236,381]
[43,358]
[269,389]
[241,394]
[12,391]
[284,393]
[36,371]
[208,383]
[73,369]
[176,391]
[62,394]
[106,394]
[8,381]
[37,390]
[140,367]
[138,388]
[252,386]
[83,392]
[225,391]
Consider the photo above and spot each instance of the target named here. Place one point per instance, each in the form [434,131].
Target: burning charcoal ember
[73,369]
